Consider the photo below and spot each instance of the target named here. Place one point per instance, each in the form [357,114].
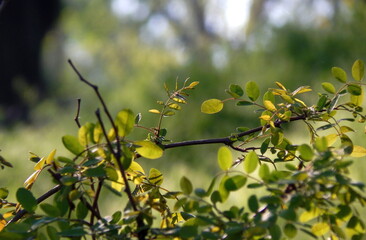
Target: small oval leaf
[251,162]
[358,70]
[148,149]
[26,199]
[186,185]
[339,74]
[329,87]
[224,158]
[234,183]
[252,90]
[212,106]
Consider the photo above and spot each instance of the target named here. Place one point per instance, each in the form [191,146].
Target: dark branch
[78,113]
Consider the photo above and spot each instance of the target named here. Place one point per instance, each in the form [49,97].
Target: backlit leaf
[306,153]
[321,144]
[50,157]
[125,121]
[251,162]
[264,171]
[269,97]
[26,199]
[328,87]
[339,74]
[224,158]
[309,215]
[155,177]
[72,144]
[320,229]
[212,106]
[186,185]
[235,182]
[192,85]
[40,164]
[281,86]
[331,138]
[148,149]
[252,90]
[358,151]
[358,70]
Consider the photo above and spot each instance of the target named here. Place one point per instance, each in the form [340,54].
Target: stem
[77,113]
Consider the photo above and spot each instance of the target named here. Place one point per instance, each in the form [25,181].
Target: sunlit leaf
[252,90]
[155,177]
[26,199]
[321,144]
[264,171]
[354,89]
[212,106]
[168,113]
[148,149]
[320,229]
[224,158]
[269,106]
[186,185]
[125,121]
[4,193]
[50,157]
[269,97]
[302,89]
[358,70]
[358,151]
[192,85]
[331,138]
[339,74]
[309,215]
[329,87]
[281,86]
[40,164]
[288,98]
[251,162]
[174,106]
[154,111]
[31,179]
[72,144]
[345,129]
[306,152]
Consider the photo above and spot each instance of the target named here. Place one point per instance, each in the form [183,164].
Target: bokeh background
[130,48]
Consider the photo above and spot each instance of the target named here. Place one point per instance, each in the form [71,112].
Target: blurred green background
[130,48]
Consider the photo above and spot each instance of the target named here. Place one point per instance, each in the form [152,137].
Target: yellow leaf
[265,117]
[331,138]
[31,179]
[358,151]
[320,229]
[50,157]
[301,102]
[193,84]
[309,215]
[269,106]
[39,165]
[2,224]
[154,111]
[281,86]
[148,149]
[119,184]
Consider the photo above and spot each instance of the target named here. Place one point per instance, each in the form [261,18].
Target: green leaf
[333,103]
[321,144]
[26,199]
[212,106]
[251,162]
[125,121]
[264,172]
[72,144]
[234,183]
[224,158]
[264,145]
[52,233]
[328,87]
[321,102]
[81,210]
[339,74]
[244,103]
[306,153]
[138,118]
[290,230]
[253,203]
[186,185]
[288,214]
[354,89]
[85,134]
[155,177]
[236,91]
[252,90]
[148,149]
[358,70]
[95,172]
[50,209]
[269,97]
[73,232]
[4,192]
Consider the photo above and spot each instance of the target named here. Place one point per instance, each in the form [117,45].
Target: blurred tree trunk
[23,24]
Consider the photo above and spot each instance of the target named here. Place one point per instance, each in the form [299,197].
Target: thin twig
[46,195]
[78,113]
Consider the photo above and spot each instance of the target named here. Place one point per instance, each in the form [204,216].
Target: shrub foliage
[293,187]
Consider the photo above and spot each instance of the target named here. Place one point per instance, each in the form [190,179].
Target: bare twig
[78,113]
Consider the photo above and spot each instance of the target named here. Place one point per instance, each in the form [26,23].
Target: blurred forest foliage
[130,48]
